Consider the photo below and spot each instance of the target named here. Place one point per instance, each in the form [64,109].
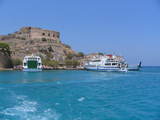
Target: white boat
[109,63]
[134,68]
[32,63]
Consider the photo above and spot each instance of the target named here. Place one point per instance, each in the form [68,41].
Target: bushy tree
[72,63]
[80,54]
[100,53]
[16,62]
[44,39]
[70,56]
[5,49]
[51,63]
[5,59]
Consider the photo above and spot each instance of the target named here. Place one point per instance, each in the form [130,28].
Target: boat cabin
[32,62]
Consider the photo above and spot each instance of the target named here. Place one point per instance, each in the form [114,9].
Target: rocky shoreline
[6,69]
[47,68]
[12,69]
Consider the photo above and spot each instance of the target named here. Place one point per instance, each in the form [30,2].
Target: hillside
[29,40]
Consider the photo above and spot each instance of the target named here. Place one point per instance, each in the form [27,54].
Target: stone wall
[38,33]
[28,40]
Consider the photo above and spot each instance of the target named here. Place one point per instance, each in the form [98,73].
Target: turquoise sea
[80,95]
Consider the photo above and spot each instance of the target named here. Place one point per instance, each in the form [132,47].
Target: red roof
[110,55]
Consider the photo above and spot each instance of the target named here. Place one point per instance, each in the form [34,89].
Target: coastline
[13,69]
[6,69]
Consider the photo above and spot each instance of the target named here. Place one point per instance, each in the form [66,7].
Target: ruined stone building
[38,33]
[37,41]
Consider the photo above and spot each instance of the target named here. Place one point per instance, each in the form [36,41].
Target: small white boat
[108,63]
[32,63]
[134,68]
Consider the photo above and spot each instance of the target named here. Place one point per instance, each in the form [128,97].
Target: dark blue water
[80,95]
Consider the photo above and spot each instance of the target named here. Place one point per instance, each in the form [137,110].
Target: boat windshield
[96,61]
[108,64]
[114,64]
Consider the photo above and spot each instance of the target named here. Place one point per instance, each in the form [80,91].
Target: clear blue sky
[127,27]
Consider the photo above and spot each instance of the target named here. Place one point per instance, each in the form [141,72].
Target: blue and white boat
[32,63]
[108,63]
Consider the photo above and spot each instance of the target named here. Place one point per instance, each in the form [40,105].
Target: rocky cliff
[23,43]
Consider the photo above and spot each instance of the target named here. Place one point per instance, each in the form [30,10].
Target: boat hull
[136,68]
[32,70]
[105,69]
[133,69]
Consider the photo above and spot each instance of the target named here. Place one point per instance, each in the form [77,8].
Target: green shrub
[23,38]
[48,55]
[70,56]
[16,62]
[5,49]
[51,63]
[100,53]
[80,54]
[44,39]
[67,46]
[72,63]
[5,61]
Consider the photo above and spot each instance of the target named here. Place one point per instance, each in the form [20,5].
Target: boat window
[25,64]
[108,64]
[110,59]
[39,64]
[96,61]
[114,63]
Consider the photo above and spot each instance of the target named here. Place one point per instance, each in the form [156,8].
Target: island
[41,42]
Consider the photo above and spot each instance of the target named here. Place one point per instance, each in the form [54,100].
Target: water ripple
[28,110]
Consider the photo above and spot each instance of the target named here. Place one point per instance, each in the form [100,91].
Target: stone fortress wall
[37,41]
[38,33]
